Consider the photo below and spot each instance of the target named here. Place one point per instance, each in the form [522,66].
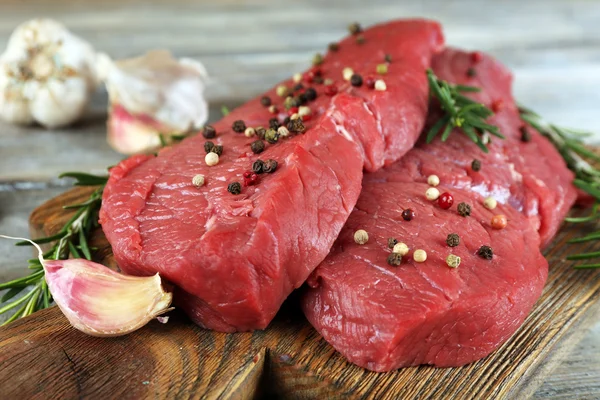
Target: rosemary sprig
[581,161]
[71,240]
[459,112]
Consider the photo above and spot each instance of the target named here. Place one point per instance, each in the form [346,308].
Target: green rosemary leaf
[435,129]
[43,240]
[17,302]
[163,141]
[11,293]
[587,266]
[225,111]
[17,281]
[588,188]
[46,294]
[83,179]
[17,314]
[587,238]
[464,88]
[83,245]
[446,133]
[73,250]
[584,256]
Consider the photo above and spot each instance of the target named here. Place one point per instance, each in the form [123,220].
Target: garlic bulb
[99,301]
[46,75]
[152,94]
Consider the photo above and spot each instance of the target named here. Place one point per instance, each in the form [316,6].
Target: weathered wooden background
[553,47]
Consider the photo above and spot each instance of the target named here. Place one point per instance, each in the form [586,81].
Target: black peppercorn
[387,58]
[476,165]
[303,99]
[265,101]
[270,166]
[208,146]
[394,259]
[354,28]
[260,132]
[296,125]
[209,132]
[311,94]
[471,72]
[257,166]
[272,136]
[464,209]
[356,80]
[334,46]
[453,240]
[217,149]
[274,123]
[234,188]
[298,86]
[408,214]
[392,242]
[294,102]
[286,121]
[258,146]
[485,252]
[525,135]
[239,126]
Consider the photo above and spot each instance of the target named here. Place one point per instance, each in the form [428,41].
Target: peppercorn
[471,72]
[453,240]
[239,126]
[250,178]
[356,80]
[432,194]
[476,165]
[360,39]
[249,132]
[209,132]
[433,180]
[392,242]
[387,58]
[525,135]
[347,73]
[354,28]
[499,221]
[317,59]
[380,85]
[273,109]
[298,86]
[296,125]
[453,261]
[361,236]
[420,255]
[269,166]
[274,123]
[198,180]
[408,214]
[286,120]
[217,149]
[302,99]
[234,188]
[485,252]
[400,248]
[258,146]
[333,46]
[208,146]
[394,259]
[294,102]
[272,136]
[282,91]
[311,94]
[382,69]
[257,166]
[464,209]
[265,101]
[282,131]
[297,77]
[490,203]
[260,132]
[211,159]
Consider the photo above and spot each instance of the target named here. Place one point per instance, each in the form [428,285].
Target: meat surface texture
[234,258]
[384,317]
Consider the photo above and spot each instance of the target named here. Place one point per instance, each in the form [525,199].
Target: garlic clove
[73,94]
[100,302]
[164,93]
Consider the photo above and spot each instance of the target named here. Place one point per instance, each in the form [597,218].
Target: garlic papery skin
[99,301]
[150,95]
[47,75]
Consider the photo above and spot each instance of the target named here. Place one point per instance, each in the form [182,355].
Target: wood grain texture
[287,360]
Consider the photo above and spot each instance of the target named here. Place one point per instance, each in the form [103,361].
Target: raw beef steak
[236,257]
[383,317]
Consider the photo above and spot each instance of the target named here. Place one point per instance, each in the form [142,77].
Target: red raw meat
[382,317]
[235,258]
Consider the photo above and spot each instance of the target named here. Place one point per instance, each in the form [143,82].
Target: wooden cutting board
[43,357]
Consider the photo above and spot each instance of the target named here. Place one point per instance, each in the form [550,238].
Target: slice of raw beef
[383,317]
[236,257]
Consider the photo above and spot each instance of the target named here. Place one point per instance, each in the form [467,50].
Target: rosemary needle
[459,112]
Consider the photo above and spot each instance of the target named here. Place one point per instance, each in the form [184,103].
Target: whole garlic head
[47,75]
[151,95]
